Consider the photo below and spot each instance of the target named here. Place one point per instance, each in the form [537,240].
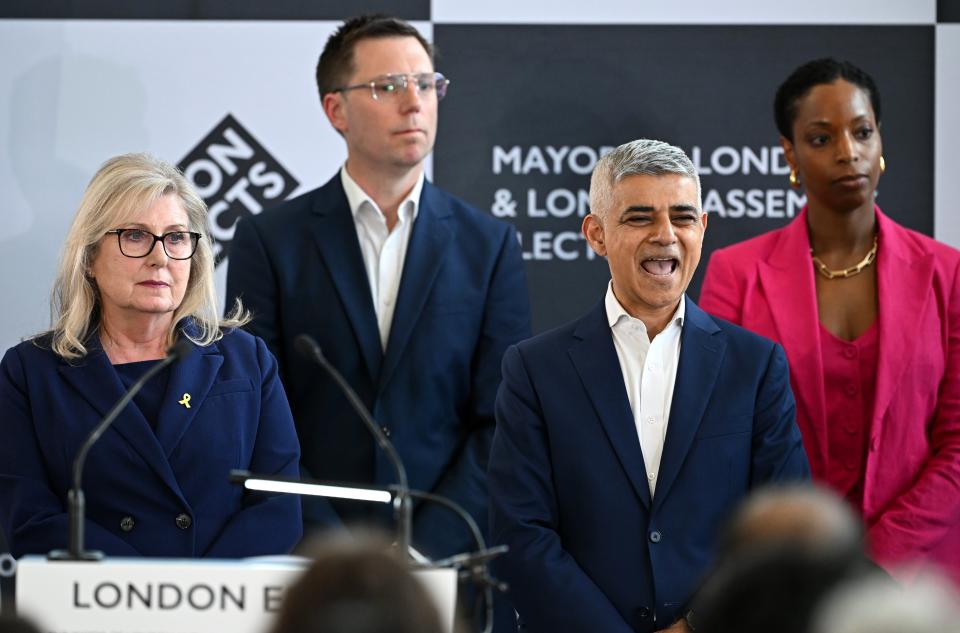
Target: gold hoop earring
[883,165]
[794,179]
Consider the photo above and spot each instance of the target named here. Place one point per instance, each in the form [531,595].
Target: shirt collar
[356,196]
[616,313]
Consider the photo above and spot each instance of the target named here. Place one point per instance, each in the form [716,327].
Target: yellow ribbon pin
[186,400]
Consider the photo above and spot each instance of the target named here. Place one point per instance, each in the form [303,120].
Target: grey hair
[801,514]
[643,157]
[121,188]
[877,605]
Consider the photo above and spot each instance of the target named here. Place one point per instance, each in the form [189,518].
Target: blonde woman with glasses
[135,276]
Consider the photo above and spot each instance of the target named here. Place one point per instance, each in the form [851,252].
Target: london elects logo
[236,177]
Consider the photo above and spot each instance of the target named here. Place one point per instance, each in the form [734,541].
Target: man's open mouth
[660,266]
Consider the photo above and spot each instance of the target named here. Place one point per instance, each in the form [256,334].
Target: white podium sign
[137,595]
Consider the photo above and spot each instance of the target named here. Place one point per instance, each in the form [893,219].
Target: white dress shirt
[384,251]
[649,374]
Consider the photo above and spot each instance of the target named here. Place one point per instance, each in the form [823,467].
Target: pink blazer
[911,494]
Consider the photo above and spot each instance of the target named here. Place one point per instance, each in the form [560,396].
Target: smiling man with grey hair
[647,220]
[625,438]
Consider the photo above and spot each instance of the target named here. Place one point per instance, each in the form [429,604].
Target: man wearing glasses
[412,294]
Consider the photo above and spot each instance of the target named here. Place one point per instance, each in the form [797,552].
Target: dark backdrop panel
[541,93]
[211,9]
[948,10]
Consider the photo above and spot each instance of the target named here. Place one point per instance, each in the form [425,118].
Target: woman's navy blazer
[162,492]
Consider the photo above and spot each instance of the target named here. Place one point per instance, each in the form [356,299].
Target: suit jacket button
[655,536]
[184,521]
[643,613]
[127,523]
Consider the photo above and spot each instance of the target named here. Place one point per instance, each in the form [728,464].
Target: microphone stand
[402,507]
[75,499]
[472,565]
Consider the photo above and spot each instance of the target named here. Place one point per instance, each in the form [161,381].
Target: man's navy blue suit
[590,550]
[462,301]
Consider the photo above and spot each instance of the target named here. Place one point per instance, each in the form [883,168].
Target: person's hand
[680,626]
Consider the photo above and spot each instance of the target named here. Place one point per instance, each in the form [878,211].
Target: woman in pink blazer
[869,315]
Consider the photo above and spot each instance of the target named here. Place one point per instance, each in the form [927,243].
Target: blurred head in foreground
[357,587]
[875,605]
[782,553]
[776,588]
[803,515]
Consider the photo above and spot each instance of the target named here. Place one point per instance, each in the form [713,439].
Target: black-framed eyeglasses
[138,243]
[388,87]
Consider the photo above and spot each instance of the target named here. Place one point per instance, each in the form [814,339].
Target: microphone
[475,563]
[307,347]
[77,505]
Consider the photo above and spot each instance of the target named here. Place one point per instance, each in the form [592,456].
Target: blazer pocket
[732,425]
[438,307]
[721,434]
[236,385]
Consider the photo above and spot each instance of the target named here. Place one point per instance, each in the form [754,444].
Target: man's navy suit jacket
[590,550]
[462,301]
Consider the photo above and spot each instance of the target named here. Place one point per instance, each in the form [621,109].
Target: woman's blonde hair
[123,187]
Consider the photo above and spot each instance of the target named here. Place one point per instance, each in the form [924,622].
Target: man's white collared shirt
[649,373]
[383,251]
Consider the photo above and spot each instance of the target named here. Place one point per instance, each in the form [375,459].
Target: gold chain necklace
[847,272]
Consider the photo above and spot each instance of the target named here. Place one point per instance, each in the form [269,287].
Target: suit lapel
[787,280]
[97,382]
[702,348]
[191,376]
[429,243]
[904,276]
[595,359]
[336,237]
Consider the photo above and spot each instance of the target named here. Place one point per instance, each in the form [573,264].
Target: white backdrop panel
[74,93]
[686,12]
[946,158]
